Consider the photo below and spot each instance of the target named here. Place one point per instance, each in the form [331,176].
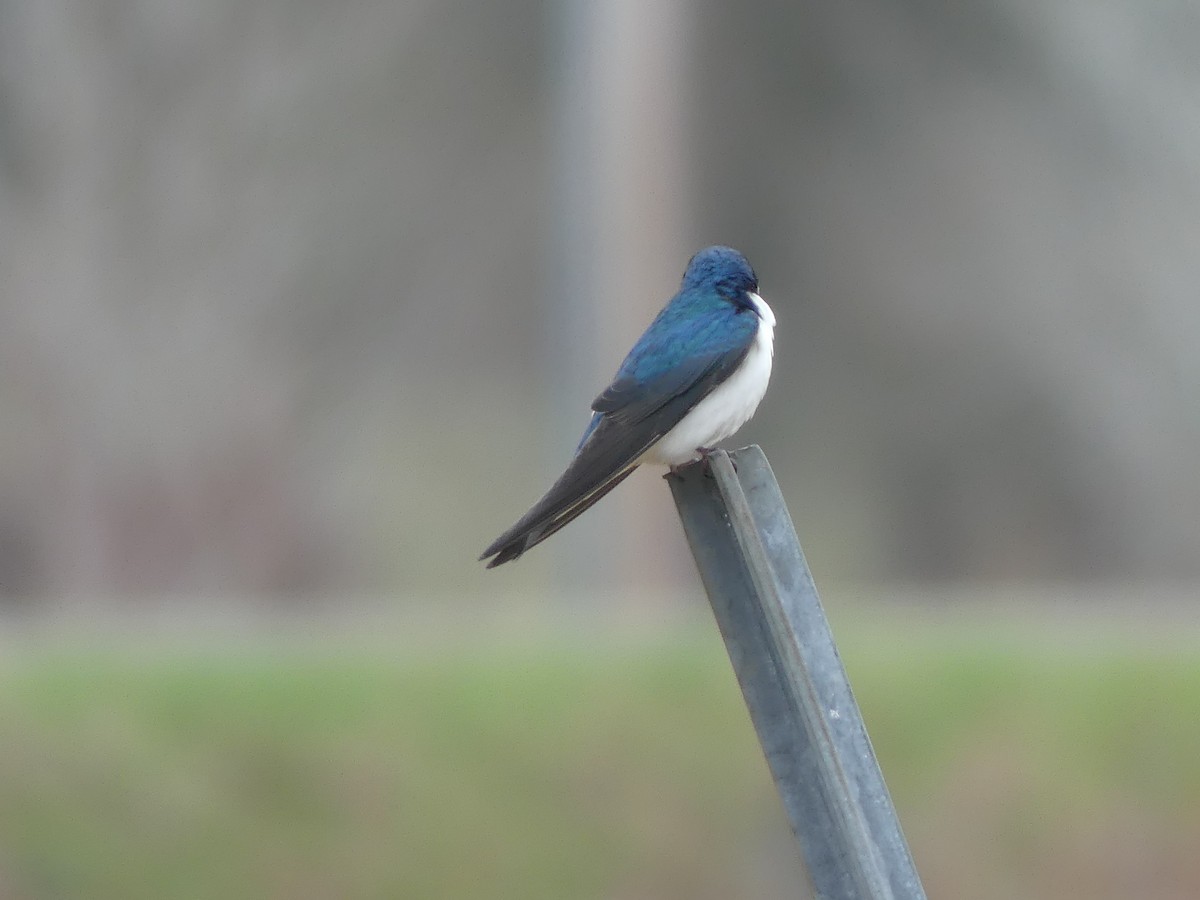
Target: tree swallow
[693,379]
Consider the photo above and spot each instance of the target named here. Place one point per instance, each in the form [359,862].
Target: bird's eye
[743,302]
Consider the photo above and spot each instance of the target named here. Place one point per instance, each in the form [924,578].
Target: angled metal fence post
[792,678]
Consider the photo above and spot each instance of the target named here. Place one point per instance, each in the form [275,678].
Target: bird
[695,376]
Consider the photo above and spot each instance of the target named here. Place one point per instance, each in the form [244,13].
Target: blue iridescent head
[722,268]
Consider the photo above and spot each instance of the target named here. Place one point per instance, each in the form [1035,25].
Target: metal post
[792,678]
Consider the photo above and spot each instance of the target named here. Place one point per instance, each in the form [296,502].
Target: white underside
[728,407]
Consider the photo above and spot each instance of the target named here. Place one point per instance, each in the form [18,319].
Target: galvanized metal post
[792,678]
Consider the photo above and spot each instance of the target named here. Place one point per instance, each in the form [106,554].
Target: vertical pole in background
[571,310]
[618,243]
[799,698]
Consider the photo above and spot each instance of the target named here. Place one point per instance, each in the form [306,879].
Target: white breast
[729,406]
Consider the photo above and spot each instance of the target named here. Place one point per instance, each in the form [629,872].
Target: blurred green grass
[569,766]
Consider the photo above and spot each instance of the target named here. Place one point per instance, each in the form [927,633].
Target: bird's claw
[705,452]
[677,470]
[702,456]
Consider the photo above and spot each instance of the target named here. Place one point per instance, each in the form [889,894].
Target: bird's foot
[705,452]
[702,455]
[676,470]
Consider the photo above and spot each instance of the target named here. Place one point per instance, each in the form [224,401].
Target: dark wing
[607,457]
[632,414]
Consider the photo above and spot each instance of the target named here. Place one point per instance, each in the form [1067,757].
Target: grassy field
[1029,763]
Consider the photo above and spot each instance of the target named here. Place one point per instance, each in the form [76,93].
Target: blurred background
[302,304]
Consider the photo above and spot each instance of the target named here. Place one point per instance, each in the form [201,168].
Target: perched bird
[694,378]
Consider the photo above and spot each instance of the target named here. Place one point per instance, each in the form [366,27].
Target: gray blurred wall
[276,280]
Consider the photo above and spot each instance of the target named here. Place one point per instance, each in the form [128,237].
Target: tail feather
[607,456]
[548,516]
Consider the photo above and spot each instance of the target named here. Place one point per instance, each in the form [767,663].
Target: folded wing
[640,406]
